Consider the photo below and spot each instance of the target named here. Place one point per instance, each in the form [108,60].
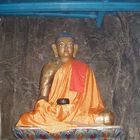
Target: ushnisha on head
[65,47]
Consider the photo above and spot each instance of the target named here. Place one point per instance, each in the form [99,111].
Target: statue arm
[46,78]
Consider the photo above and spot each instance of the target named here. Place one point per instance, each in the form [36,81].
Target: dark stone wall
[113,51]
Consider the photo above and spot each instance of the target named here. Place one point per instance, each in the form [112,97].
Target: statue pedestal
[84,133]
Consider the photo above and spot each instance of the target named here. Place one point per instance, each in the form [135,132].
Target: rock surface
[113,51]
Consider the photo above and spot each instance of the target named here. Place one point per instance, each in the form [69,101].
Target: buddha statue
[69,94]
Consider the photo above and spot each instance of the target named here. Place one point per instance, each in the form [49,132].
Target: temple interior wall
[113,51]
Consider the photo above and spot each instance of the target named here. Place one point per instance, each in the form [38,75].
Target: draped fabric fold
[85,104]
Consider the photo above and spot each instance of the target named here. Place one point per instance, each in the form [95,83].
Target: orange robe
[83,108]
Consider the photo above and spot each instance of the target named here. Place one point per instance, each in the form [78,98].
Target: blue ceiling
[95,9]
[22,1]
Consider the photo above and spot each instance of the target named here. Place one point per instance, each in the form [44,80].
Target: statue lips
[66,53]
[63,101]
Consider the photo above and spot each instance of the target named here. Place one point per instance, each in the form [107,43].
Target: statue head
[65,47]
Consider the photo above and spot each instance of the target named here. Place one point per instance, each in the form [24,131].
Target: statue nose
[66,48]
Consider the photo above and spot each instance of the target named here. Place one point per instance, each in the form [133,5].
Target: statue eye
[70,45]
[61,45]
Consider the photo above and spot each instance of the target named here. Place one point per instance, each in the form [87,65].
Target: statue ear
[75,49]
[55,50]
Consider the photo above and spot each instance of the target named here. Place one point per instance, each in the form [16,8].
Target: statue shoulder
[50,67]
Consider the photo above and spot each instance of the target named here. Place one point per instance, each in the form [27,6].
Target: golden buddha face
[64,48]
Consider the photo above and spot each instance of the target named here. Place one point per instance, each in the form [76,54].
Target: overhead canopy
[95,9]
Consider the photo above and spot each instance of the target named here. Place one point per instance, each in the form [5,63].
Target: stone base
[84,133]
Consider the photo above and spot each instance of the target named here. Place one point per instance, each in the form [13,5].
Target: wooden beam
[91,15]
[69,6]
[99,19]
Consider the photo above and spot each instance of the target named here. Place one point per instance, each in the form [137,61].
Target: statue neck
[64,60]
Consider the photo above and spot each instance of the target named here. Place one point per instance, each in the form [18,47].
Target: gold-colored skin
[46,78]
[65,49]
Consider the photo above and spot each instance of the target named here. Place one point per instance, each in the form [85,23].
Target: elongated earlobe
[75,50]
[55,50]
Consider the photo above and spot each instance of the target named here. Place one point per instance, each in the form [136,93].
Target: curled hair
[64,34]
